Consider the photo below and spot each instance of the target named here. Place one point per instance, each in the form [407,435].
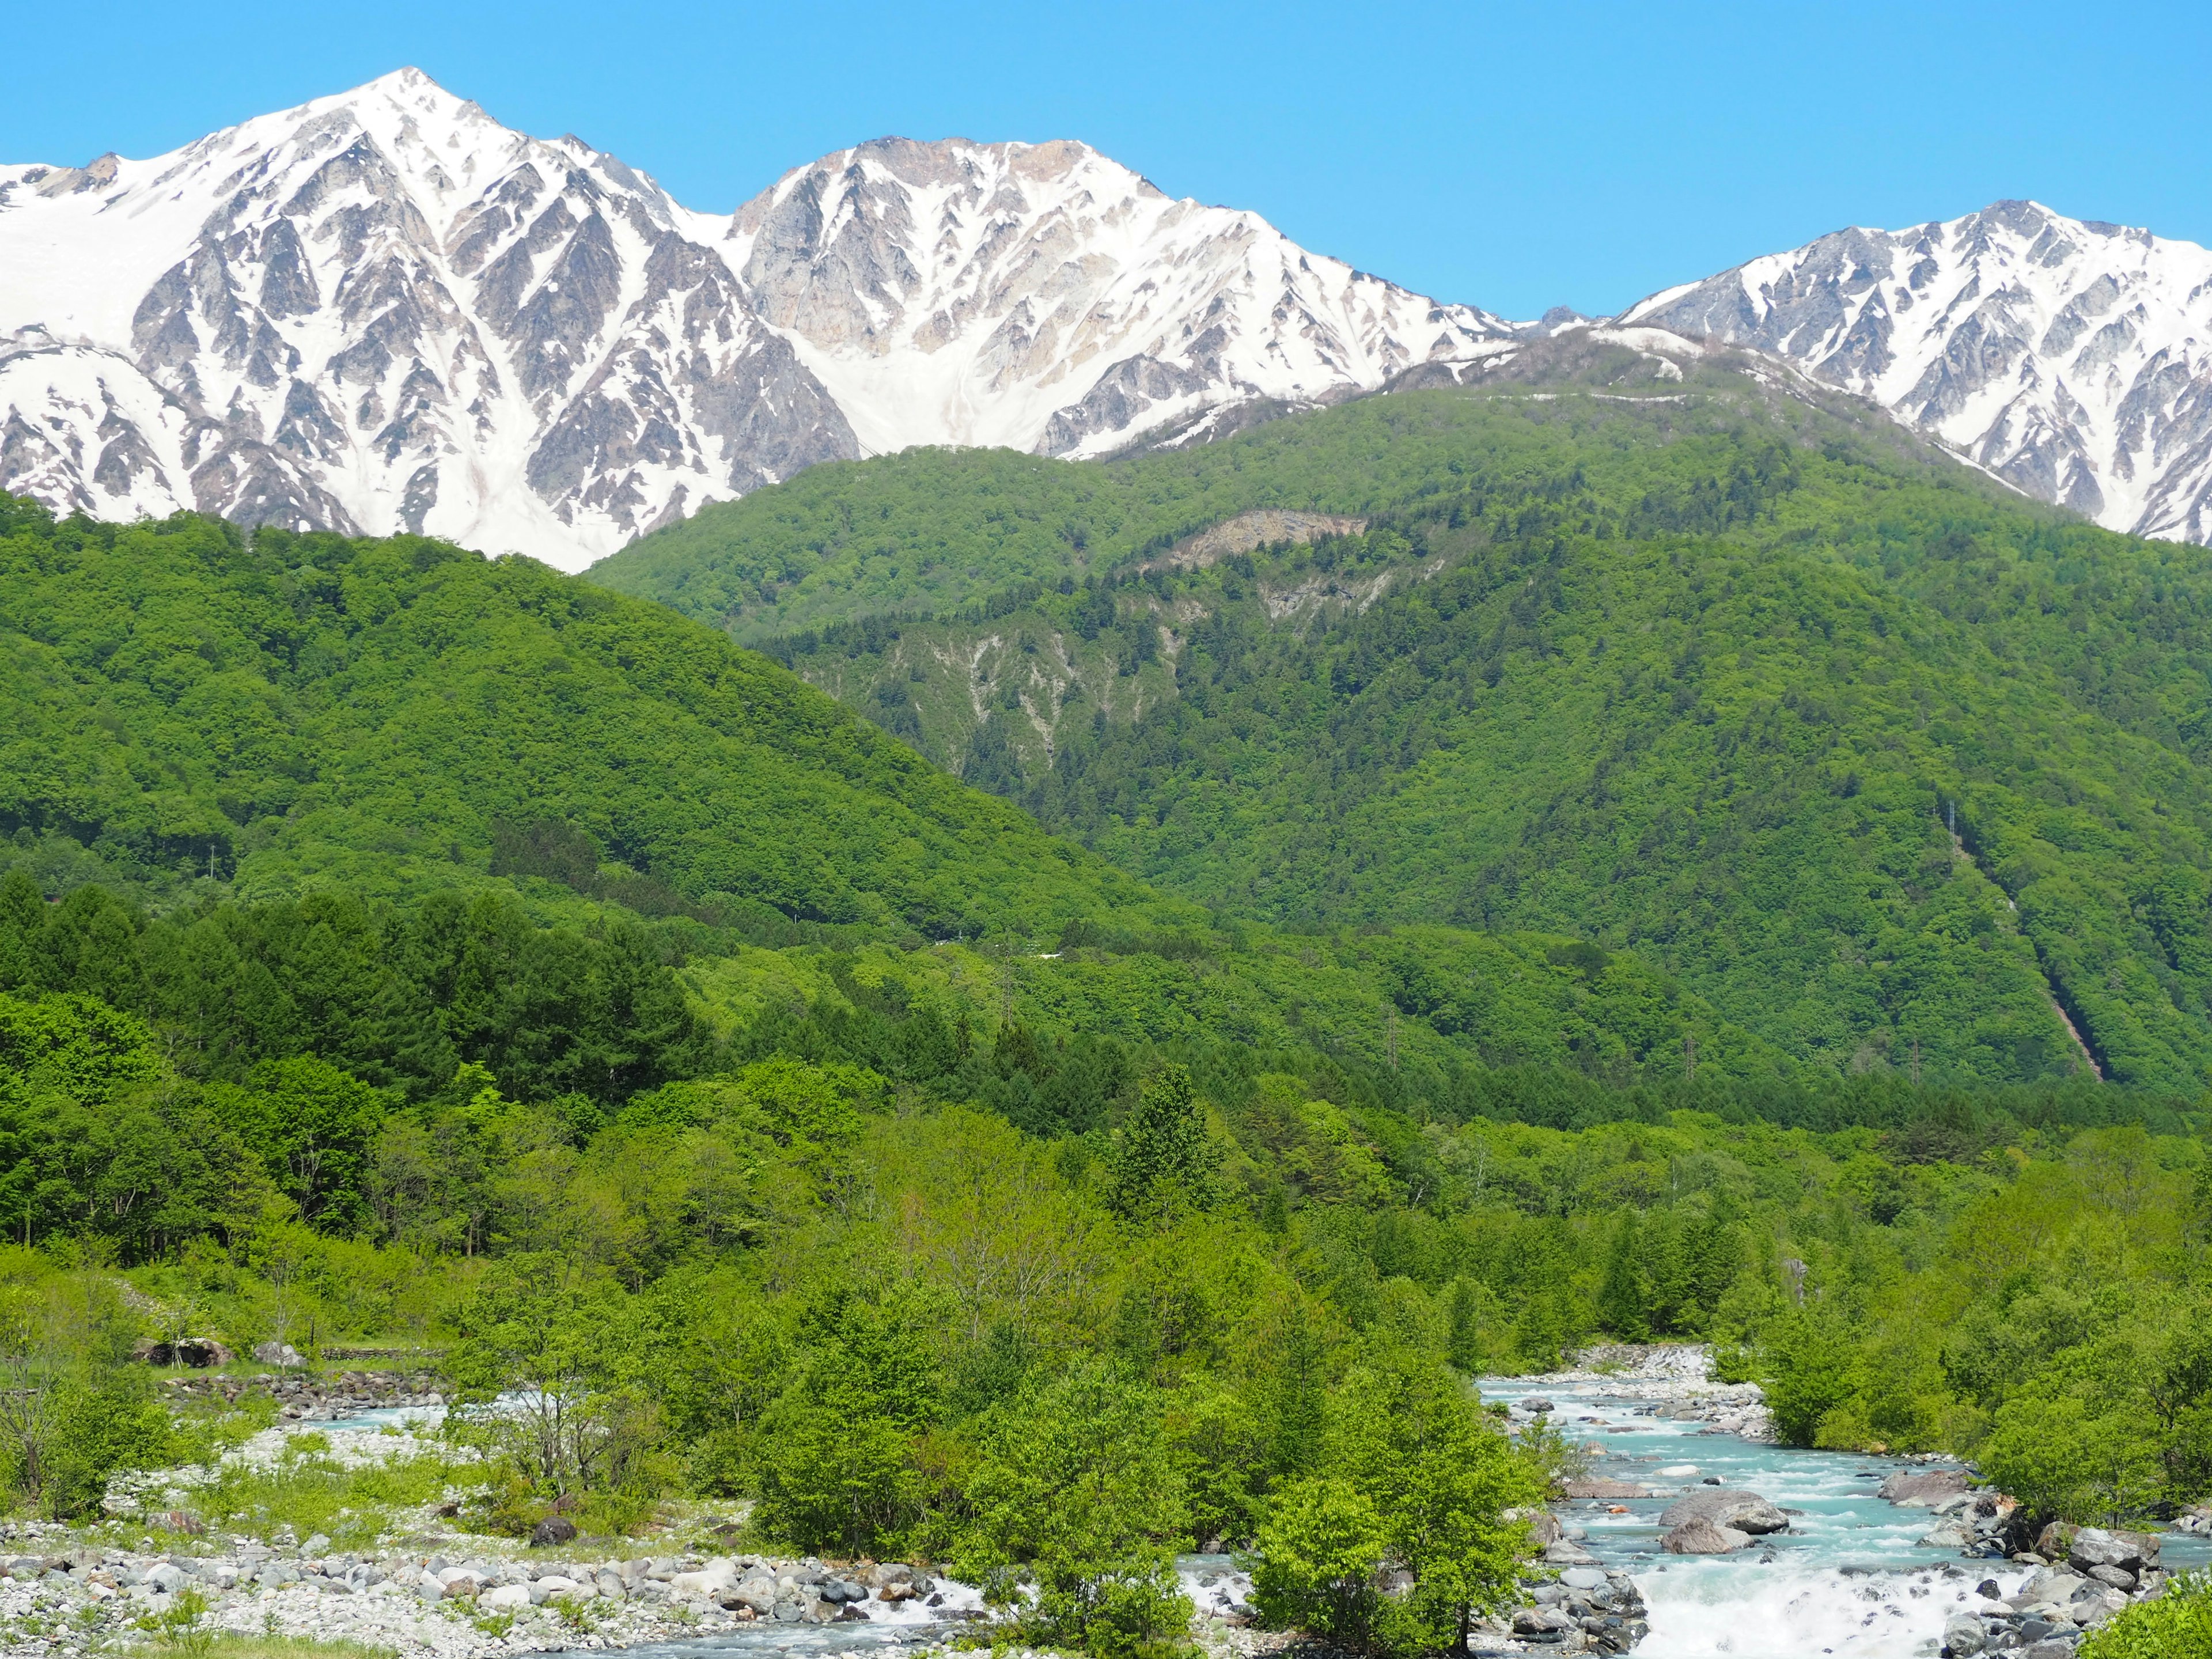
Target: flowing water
[1849,1578]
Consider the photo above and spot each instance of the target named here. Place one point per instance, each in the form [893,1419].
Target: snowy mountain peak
[1046,297]
[2071,357]
[384,311]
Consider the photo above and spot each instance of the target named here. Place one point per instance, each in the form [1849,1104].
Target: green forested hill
[346,786]
[308,711]
[1689,669]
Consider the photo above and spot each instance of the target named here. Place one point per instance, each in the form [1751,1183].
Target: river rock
[1962,1638]
[1536,1402]
[1613,1489]
[1542,1621]
[1702,1537]
[553,1529]
[759,1593]
[2093,1547]
[2053,1584]
[2053,1542]
[1923,1488]
[1950,1536]
[278,1353]
[1567,1553]
[1725,1506]
[505,1598]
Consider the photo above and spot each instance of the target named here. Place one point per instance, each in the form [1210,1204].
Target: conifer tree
[1165,1164]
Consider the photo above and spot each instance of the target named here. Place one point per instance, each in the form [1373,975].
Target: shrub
[2176,1626]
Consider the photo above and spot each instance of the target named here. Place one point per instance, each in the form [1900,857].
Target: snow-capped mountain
[384,311]
[2071,358]
[1042,297]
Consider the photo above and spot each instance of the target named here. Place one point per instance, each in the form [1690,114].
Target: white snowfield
[382,310]
[2073,359]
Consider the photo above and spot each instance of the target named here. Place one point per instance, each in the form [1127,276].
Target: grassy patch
[311,1493]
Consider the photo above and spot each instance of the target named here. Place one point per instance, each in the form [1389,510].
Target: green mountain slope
[409,739]
[930,531]
[1688,667]
[307,711]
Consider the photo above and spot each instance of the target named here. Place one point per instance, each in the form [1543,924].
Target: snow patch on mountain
[384,312]
[2071,358]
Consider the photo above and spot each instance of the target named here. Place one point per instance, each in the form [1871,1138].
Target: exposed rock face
[384,311]
[1268,526]
[2069,357]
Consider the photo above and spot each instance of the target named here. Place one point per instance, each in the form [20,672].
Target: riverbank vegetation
[890,1243]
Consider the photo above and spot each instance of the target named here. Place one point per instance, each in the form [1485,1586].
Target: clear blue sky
[1517,155]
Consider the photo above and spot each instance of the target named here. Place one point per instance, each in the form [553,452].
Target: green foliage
[1560,683]
[1163,1163]
[1419,1482]
[539,1332]
[1317,1557]
[836,1469]
[2176,1626]
[1073,1496]
[200,713]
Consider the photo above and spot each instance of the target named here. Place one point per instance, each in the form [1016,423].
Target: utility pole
[1916,1063]
[1690,1056]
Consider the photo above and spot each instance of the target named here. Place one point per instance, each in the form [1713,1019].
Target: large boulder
[278,1353]
[1963,1638]
[1923,1488]
[1614,1490]
[1699,1536]
[1542,1621]
[2092,1546]
[1725,1506]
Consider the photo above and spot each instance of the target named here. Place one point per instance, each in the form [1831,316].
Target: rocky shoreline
[427,1591]
[303,1397]
[433,1605]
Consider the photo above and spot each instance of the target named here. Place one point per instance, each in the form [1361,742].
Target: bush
[102,1424]
[2176,1626]
[2061,1457]
[1421,1482]
[1317,1558]
[1073,1492]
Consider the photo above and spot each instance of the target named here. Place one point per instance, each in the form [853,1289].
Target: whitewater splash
[1719,1610]
[1852,1577]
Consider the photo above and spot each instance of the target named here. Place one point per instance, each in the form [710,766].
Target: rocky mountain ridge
[2071,358]
[382,310]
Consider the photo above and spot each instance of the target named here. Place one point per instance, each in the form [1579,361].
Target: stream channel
[1849,1578]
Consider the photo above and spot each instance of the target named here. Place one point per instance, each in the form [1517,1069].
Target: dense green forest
[1893,771]
[400,950]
